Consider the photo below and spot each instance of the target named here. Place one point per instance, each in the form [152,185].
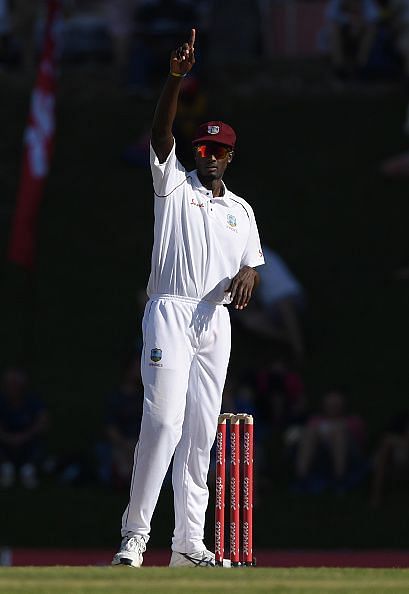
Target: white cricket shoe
[131,551]
[201,559]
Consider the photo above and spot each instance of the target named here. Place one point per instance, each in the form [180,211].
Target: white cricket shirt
[200,242]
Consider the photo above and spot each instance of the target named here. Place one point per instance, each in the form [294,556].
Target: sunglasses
[213,150]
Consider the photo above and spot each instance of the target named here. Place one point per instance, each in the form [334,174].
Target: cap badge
[213,129]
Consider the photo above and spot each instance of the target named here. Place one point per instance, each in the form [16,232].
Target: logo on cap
[213,129]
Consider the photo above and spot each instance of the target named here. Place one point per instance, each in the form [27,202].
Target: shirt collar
[197,185]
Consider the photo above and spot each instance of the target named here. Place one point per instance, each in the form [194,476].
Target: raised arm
[181,62]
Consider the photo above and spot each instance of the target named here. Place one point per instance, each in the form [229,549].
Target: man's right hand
[183,59]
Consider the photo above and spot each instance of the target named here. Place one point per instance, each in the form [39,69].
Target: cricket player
[206,246]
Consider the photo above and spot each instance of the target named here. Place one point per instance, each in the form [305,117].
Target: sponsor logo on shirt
[194,203]
[232,223]
[231,219]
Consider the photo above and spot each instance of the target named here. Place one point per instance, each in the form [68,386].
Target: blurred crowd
[360,42]
[363,42]
[364,38]
[306,447]
[313,449]
[310,450]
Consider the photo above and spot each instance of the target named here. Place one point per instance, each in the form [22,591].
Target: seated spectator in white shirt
[277,304]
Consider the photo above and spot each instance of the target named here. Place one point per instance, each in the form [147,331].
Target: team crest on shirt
[213,129]
[156,355]
[231,219]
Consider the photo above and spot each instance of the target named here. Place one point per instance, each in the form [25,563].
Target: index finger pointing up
[192,38]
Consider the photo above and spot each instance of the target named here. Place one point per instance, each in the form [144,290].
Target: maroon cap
[215,132]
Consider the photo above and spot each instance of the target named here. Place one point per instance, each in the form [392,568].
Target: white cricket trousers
[184,363]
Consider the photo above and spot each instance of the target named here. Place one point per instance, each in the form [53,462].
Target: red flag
[38,147]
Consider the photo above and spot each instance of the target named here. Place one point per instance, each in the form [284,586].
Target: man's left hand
[242,286]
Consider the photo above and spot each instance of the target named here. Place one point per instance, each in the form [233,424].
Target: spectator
[4,27]
[23,422]
[122,428]
[281,395]
[239,395]
[330,451]
[169,16]
[353,27]
[399,23]
[391,461]
[121,15]
[280,412]
[278,303]
[398,165]
[159,24]
[24,17]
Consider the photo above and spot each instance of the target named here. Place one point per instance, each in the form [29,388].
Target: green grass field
[87,580]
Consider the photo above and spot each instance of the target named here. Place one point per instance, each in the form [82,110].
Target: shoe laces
[135,544]
[207,558]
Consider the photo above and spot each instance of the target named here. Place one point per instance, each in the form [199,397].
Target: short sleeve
[253,254]
[166,176]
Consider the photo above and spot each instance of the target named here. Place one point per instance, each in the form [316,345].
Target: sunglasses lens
[203,150]
[220,152]
[217,150]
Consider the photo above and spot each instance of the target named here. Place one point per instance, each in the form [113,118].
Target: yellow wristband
[177,75]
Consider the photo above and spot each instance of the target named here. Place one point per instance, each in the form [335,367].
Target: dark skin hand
[242,286]
[183,59]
